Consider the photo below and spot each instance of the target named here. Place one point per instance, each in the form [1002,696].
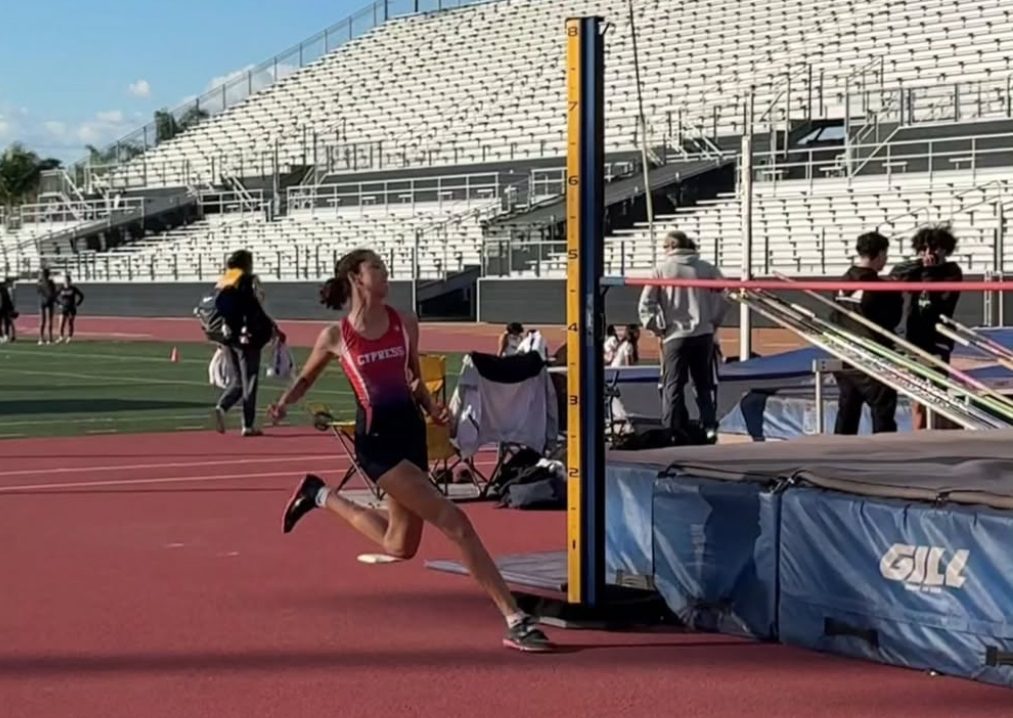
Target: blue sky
[77,72]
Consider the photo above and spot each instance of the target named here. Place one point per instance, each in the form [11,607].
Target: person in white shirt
[510,339]
[534,342]
[611,344]
[627,353]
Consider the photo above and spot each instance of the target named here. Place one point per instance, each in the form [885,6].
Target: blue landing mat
[893,548]
[709,546]
[790,412]
[901,583]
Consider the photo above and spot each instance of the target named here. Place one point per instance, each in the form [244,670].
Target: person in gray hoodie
[686,320]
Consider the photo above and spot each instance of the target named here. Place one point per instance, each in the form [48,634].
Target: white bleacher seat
[301,246]
[486,83]
[804,227]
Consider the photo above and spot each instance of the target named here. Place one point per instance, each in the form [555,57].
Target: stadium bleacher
[441,95]
[809,228]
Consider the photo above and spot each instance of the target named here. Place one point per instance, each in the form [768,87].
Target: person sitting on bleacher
[854,387]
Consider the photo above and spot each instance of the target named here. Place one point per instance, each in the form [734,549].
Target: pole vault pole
[643,137]
[585,255]
[746,201]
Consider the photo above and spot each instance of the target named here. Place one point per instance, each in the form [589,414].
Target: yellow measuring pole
[574,523]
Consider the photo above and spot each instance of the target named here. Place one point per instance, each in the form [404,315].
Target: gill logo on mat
[924,568]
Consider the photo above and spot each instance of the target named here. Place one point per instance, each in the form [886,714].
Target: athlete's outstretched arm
[320,357]
[422,395]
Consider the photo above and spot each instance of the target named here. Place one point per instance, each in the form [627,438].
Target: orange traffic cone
[174,355]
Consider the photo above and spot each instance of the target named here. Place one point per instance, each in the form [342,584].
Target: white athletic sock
[322,494]
[515,618]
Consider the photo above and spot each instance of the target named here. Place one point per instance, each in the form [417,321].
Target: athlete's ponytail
[337,290]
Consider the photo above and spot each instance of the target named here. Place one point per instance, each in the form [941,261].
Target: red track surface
[447,337]
[451,337]
[148,576]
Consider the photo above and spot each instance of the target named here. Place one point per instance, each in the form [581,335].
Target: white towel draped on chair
[514,402]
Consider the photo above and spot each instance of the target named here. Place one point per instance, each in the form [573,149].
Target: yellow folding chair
[344,431]
[434,375]
[444,457]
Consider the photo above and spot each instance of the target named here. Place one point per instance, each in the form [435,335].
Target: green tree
[113,154]
[167,126]
[20,171]
[192,117]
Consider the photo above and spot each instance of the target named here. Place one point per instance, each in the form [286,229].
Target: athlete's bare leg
[413,490]
[397,530]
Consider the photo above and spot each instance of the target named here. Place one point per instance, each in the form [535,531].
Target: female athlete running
[378,349]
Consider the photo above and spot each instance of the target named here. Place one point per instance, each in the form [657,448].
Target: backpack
[524,482]
[212,311]
[539,490]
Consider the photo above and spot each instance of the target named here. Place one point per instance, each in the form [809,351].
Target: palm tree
[192,117]
[113,154]
[167,126]
[20,171]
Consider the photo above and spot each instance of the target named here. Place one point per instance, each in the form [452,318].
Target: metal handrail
[1002,185]
[812,162]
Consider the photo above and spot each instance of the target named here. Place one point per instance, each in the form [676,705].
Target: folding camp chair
[344,431]
[468,395]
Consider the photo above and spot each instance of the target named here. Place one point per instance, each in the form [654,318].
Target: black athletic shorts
[396,434]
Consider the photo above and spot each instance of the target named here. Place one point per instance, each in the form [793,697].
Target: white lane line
[171,465]
[111,419]
[148,380]
[165,480]
[139,482]
[61,354]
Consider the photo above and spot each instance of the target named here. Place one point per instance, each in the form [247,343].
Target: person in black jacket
[46,289]
[252,329]
[69,297]
[8,311]
[932,246]
[885,309]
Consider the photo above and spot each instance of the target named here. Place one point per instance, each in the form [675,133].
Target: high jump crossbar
[814,285]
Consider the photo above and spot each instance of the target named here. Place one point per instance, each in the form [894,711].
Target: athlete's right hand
[440,414]
[277,412]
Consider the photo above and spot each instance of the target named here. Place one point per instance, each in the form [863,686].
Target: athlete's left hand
[277,413]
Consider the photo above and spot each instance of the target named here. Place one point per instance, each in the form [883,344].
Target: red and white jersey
[377,368]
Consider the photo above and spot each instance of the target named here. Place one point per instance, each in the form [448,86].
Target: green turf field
[89,388]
